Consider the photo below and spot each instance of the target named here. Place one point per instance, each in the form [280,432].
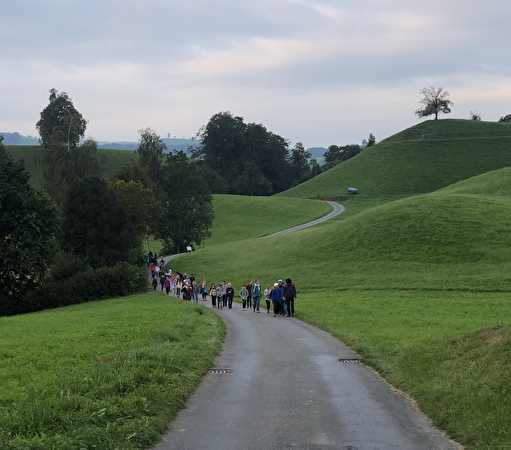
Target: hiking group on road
[281,296]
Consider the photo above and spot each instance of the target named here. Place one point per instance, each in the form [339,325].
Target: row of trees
[89,221]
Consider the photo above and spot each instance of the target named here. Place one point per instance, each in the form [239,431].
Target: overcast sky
[319,72]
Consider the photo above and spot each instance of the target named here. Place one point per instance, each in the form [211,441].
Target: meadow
[414,276]
[102,375]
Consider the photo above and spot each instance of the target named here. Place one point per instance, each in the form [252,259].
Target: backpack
[289,290]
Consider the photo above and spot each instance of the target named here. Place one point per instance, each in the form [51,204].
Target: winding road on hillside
[282,384]
[337,209]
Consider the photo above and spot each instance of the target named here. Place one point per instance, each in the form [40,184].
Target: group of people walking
[281,295]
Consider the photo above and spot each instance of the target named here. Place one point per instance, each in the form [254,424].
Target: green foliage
[301,169]
[111,160]
[335,154]
[60,122]
[139,202]
[28,228]
[86,286]
[435,101]
[109,374]
[252,181]
[62,165]
[228,144]
[151,150]
[187,212]
[371,141]
[96,225]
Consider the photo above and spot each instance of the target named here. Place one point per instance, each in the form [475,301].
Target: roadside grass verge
[103,375]
[451,351]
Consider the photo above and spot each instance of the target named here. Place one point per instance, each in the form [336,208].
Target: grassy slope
[113,160]
[102,375]
[416,283]
[239,217]
[421,159]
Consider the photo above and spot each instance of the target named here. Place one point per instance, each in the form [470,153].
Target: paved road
[337,209]
[288,390]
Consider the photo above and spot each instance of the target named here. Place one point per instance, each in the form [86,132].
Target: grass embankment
[102,375]
[241,217]
[112,160]
[420,287]
[420,159]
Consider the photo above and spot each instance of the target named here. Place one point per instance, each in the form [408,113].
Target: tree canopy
[229,144]
[96,225]
[187,211]
[151,149]
[435,101]
[61,127]
[60,121]
[28,229]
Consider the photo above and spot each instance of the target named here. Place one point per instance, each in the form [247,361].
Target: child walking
[244,296]
[212,293]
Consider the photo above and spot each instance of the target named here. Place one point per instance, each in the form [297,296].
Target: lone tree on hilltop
[435,101]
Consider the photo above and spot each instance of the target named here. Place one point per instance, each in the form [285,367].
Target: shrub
[86,286]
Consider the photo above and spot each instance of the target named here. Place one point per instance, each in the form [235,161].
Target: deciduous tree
[151,149]
[435,101]
[28,228]
[62,165]
[96,225]
[228,144]
[60,121]
[187,211]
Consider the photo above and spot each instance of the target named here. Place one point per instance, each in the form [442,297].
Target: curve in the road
[337,209]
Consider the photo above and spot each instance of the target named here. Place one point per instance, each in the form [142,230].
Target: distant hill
[18,139]
[420,159]
[317,152]
[173,144]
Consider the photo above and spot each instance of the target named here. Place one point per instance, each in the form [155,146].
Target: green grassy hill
[419,286]
[420,159]
[416,275]
[113,160]
[443,240]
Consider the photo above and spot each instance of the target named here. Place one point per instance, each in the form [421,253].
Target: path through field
[281,384]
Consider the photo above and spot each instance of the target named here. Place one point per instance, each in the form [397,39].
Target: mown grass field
[420,159]
[102,375]
[415,279]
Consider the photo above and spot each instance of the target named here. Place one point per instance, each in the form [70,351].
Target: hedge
[90,285]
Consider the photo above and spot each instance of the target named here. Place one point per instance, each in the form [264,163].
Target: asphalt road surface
[283,386]
[337,209]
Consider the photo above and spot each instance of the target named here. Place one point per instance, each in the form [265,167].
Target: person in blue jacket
[277,297]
